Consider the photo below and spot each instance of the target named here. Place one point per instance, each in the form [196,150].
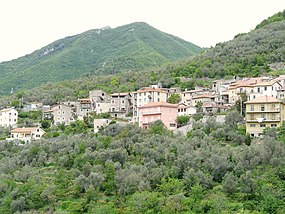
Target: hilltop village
[258,99]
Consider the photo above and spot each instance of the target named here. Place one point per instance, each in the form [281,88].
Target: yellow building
[262,112]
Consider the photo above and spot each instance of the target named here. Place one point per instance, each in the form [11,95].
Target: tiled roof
[203,96]
[269,83]
[6,109]
[24,130]
[264,99]
[157,104]
[151,89]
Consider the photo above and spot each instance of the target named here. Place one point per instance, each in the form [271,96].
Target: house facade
[147,95]
[62,114]
[163,111]
[120,105]
[27,134]
[263,112]
[8,117]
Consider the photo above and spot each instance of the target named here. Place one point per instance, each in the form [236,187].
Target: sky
[28,25]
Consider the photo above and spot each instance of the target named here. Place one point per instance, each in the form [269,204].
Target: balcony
[265,111]
[263,120]
[151,112]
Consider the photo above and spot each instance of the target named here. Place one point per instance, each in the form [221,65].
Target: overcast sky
[28,25]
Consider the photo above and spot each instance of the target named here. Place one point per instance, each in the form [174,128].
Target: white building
[27,134]
[8,117]
[266,88]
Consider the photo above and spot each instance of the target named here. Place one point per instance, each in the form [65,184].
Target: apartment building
[147,95]
[8,117]
[261,112]
[163,111]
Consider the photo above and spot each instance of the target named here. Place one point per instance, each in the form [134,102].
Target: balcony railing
[151,112]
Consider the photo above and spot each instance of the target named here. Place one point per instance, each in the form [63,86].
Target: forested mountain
[135,46]
[261,51]
[248,54]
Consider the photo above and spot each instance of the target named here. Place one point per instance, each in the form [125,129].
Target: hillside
[249,54]
[136,46]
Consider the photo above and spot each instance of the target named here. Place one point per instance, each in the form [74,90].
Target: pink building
[163,111]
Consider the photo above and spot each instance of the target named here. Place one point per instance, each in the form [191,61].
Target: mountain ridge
[135,46]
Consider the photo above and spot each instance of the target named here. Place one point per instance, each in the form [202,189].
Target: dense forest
[124,169]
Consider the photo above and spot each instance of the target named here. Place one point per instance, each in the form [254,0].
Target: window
[262,108]
[258,89]
[172,125]
[265,88]
[252,125]
[262,125]
[273,125]
[158,99]
[38,135]
[123,101]
[263,115]
[273,106]
[158,93]
[252,117]
[251,107]
[273,116]
[63,112]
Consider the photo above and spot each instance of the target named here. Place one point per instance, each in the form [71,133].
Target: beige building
[8,117]
[263,112]
[98,123]
[84,107]
[120,105]
[60,114]
[27,134]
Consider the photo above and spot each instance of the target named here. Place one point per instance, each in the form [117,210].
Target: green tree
[182,120]
[174,98]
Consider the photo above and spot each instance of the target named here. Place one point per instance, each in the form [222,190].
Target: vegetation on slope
[136,46]
[251,54]
[131,170]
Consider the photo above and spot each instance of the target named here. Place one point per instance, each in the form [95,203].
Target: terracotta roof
[151,89]
[24,130]
[203,96]
[267,83]
[264,99]
[157,104]
[250,82]
[6,109]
